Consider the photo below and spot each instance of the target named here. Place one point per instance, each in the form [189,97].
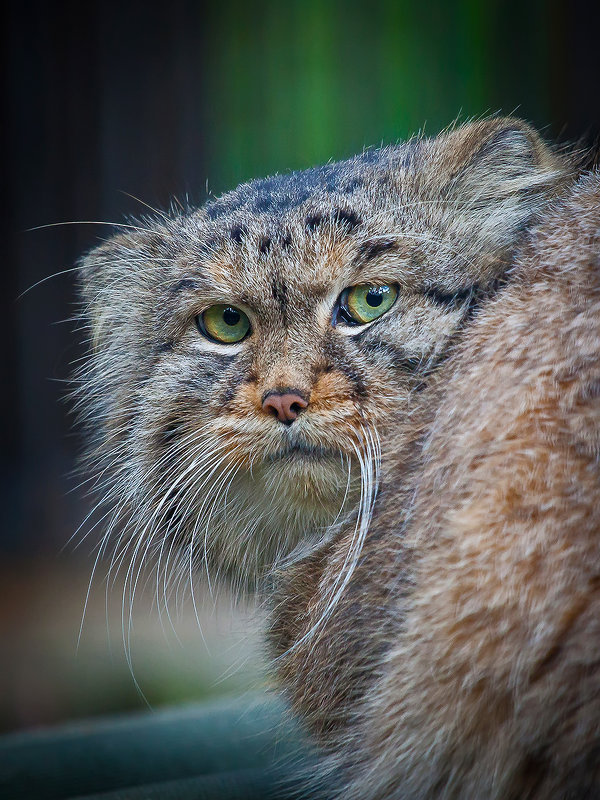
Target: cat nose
[284,405]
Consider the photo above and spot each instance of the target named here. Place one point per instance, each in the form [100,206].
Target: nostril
[285,406]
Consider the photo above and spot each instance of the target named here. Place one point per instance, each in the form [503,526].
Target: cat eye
[364,303]
[224,324]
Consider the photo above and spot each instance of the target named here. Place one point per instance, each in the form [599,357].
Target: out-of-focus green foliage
[297,83]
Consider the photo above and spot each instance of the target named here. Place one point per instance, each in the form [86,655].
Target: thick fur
[468,643]
[407,630]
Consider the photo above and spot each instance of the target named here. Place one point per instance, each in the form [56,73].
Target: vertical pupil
[374,297]
[231,316]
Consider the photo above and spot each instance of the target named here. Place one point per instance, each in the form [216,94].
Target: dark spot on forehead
[349,219]
[278,193]
[279,291]
[237,233]
[265,245]
[286,240]
[375,247]
[313,221]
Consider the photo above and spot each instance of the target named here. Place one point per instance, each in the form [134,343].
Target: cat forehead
[306,228]
[281,194]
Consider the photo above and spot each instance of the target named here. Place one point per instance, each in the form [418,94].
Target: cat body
[462,660]
[330,384]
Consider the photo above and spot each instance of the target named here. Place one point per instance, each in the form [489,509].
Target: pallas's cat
[371,389]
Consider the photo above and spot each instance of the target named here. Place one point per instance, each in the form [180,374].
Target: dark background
[102,101]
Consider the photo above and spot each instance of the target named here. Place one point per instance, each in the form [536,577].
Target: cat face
[250,358]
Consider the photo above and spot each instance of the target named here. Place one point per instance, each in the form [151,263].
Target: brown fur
[487,600]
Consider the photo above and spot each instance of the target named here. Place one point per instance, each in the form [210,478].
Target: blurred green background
[102,101]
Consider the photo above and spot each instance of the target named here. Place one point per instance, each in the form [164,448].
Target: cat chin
[281,510]
[309,483]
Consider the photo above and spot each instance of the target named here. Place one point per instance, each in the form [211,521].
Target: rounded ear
[96,270]
[111,276]
[497,158]
[497,175]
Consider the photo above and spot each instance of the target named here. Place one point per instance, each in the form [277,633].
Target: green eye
[365,302]
[224,324]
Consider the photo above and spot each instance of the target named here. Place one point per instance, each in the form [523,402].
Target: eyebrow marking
[183,284]
[375,247]
[475,294]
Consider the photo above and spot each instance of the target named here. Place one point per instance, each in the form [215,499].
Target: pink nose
[285,406]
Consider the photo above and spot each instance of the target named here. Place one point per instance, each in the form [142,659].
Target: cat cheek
[241,399]
[335,388]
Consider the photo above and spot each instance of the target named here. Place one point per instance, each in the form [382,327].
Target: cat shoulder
[492,688]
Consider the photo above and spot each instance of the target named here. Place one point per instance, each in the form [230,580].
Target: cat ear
[103,282]
[500,157]
[498,174]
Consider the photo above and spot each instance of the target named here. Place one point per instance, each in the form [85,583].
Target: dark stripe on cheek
[399,357]
[170,431]
[441,297]
[237,233]
[359,388]
[338,361]
[236,380]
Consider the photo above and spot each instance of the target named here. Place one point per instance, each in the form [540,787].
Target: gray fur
[195,475]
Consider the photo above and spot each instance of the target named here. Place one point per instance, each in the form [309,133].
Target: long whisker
[369,468]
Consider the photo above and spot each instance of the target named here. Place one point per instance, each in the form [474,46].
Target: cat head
[249,358]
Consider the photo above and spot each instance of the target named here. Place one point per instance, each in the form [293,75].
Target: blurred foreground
[47,678]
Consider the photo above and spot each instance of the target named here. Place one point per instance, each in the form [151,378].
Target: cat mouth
[302,450]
